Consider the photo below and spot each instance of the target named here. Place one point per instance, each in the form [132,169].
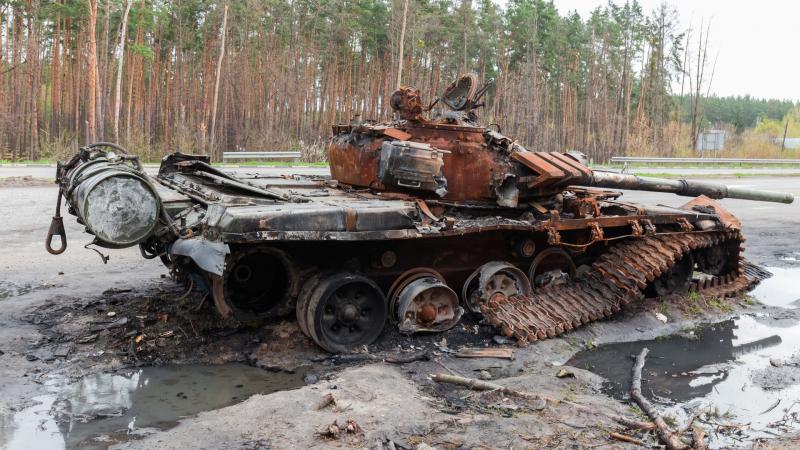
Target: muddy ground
[69,318]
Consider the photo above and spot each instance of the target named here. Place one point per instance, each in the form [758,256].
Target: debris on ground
[327,400]
[335,430]
[502,353]
[669,437]
[565,373]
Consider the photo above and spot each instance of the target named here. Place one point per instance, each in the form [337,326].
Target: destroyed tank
[423,219]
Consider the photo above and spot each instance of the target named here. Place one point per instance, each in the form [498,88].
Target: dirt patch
[780,374]
[163,324]
[153,327]
[391,412]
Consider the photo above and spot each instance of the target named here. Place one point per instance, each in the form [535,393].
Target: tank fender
[208,255]
[707,205]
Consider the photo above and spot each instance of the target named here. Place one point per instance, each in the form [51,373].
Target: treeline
[208,76]
[741,112]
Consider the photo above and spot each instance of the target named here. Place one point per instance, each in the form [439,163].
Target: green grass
[676,176]
[27,161]
[720,305]
[698,166]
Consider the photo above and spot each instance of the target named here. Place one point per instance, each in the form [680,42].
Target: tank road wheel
[260,283]
[552,266]
[302,300]
[493,279]
[420,300]
[344,311]
[675,280]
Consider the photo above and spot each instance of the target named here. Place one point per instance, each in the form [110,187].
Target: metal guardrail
[260,155]
[637,159]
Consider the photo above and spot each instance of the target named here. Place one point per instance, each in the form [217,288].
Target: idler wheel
[420,300]
[552,266]
[343,311]
[493,279]
[675,280]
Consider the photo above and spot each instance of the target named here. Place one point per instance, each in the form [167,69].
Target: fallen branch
[690,423]
[626,438]
[774,405]
[699,438]
[668,437]
[480,385]
[502,353]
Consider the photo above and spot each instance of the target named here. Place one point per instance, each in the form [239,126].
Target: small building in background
[789,144]
[710,140]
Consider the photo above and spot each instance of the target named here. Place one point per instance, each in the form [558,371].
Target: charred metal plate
[367,215]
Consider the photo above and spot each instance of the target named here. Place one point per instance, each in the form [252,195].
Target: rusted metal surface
[421,301]
[706,205]
[616,278]
[407,102]
[491,280]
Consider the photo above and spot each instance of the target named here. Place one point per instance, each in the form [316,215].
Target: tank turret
[449,157]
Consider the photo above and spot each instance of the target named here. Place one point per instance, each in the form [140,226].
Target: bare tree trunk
[91,119]
[100,90]
[33,85]
[402,42]
[466,6]
[123,32]
[216,83]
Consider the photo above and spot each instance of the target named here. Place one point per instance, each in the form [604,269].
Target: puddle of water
[782,289]
[718,366]
[10,289]
[103,409]
[789,257]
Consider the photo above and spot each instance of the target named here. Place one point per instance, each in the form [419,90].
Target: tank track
[615,279]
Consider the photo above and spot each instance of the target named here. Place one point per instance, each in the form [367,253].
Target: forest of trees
[208,76]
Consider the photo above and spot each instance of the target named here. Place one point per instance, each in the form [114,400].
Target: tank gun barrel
[689,188]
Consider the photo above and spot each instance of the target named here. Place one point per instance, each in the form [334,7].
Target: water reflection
[780,289]
[103,409]
[713,366]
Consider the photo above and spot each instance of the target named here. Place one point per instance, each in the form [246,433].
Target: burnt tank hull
[422,221]
[262,245]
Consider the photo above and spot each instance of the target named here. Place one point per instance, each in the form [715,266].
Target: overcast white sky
[757,41]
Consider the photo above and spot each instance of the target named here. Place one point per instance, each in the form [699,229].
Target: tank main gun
[689,188]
